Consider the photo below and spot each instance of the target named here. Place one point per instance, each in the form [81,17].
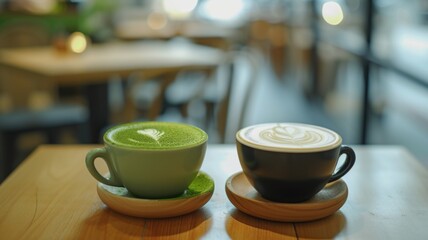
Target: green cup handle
[90,164]
[347,165]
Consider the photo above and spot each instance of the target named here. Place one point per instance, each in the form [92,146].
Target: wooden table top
[102,61]
[52,196]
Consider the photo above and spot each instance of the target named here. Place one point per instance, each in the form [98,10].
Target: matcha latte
[155,135]
[152,160]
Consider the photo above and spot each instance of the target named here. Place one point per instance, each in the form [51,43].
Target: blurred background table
[205,33]
[52,195]
[93,68]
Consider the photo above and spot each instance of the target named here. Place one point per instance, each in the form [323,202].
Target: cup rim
[140,148]
[336,143]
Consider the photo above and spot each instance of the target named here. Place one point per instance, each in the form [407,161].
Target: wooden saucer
[243,195]
[120,200]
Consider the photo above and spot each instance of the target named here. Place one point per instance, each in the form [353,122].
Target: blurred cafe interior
[69,69]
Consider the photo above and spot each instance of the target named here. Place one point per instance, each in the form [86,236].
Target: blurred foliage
[88,16]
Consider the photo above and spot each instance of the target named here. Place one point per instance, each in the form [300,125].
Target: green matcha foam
[155,135]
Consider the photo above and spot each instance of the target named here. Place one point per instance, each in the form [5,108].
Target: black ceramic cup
[291,162]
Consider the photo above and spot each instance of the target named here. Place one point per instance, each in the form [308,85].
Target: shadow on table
[242,226]
[106,223]
[190,226]
[326,228]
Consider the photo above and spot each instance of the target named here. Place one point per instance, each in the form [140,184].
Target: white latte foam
[289,137]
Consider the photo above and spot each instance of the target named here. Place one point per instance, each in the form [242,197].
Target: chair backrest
[234,104]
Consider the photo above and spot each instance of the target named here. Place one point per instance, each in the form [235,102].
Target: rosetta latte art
[151,133]
[291,135]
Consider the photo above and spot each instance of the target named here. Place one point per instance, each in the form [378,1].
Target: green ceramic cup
[151,159]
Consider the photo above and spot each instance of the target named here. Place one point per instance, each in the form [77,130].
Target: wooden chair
[227,106]
[217,89]
[186,87]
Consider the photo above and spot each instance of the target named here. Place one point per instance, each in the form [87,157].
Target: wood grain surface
[52,196]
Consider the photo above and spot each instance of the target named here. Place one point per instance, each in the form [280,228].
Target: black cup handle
[347,165]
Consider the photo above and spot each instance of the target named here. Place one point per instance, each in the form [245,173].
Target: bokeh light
[77,42]
[179,9]
[157,21]
[223,10]
[332,13]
